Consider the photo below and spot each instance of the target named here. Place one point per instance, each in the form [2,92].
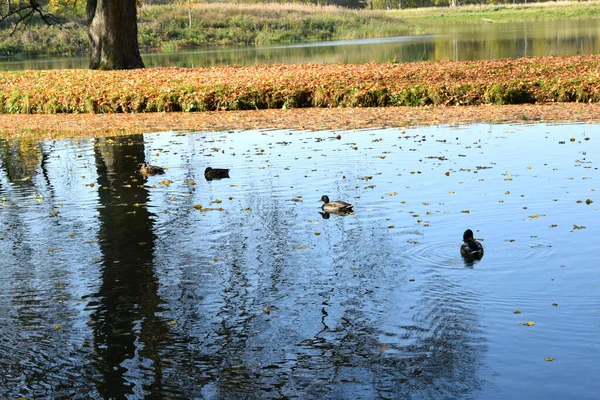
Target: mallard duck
[146,169]
[471,249]
[215,173]
[337,206]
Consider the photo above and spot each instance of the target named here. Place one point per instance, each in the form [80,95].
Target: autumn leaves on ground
[300,96]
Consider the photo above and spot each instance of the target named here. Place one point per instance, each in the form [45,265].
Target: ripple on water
[435,254]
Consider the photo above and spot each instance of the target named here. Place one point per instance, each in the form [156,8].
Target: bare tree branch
[23,13]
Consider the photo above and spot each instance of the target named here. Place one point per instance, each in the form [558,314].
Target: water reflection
[117,284]
[459,43]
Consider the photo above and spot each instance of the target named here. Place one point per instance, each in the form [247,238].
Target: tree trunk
[112,29]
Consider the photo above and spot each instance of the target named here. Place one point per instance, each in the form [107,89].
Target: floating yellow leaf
[173,322]
[549,359]
[198,206]
[530,323]
[302,247]
[578,226]
[517,312]
[267,310]
[589,201]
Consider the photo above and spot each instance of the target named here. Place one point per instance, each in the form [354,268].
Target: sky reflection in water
[114,285]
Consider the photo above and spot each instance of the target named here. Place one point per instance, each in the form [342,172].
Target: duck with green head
[216,173]
[471,249]
[336,206]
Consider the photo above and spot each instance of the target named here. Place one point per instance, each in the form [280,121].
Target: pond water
[118,285]
[466,42]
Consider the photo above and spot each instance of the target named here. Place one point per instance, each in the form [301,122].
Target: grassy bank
[167,27]
[422,19]
[514,81]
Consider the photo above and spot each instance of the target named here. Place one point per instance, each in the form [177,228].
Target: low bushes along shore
[511,81]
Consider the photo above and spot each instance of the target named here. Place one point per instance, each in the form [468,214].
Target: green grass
[166,27]
[238,24]
[424,18]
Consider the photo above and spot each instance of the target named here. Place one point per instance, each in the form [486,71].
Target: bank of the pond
[87,125]
[499,82]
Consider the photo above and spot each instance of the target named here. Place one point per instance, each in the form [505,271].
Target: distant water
[481,41]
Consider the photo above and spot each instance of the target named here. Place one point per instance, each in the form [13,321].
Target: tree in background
[112,26]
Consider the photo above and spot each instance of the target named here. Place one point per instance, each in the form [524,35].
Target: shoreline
[302,119]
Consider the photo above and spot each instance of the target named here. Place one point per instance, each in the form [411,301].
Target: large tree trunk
[112,28]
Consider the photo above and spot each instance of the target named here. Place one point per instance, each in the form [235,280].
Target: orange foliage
[511,81]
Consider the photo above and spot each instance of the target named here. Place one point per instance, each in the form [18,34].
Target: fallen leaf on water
[517,312]
[267,310]
[530,323]
[549,359]
[578,226]
[198,206]
[302,247]
[589,201]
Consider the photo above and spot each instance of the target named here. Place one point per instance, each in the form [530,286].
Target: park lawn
[310,96]
[499,82]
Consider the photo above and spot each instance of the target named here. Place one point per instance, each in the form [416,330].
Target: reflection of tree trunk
[113,34]
[125,320]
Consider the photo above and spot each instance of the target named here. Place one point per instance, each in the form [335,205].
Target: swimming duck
[146,169]
[337,206]
[215,173]
[471,249]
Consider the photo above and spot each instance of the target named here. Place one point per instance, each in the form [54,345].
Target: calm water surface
[466,42]
[115,285]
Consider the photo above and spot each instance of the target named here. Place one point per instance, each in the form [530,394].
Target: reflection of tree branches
[22,14]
